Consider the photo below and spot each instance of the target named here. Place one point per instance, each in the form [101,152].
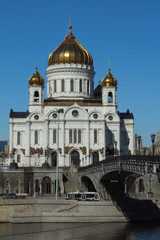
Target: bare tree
[13,183]
[2,180]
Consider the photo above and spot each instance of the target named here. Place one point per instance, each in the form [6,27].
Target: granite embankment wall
[34,210]
[44,210]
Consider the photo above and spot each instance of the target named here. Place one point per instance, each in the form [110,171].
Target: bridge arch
[127,172]
[87,184]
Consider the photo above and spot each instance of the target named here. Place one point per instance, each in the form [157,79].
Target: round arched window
[36,117]
[110,118]
[54,115]
[95,115]
[75,113]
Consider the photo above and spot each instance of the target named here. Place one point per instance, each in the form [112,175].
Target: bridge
[121,175]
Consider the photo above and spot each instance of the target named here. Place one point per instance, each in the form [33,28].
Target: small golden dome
[70,51]
[36,79]
[109,80]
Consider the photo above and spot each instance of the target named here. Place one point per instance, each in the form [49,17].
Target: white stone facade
[71,119]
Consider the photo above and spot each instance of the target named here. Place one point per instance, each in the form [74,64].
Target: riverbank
[47,209]
[38,210]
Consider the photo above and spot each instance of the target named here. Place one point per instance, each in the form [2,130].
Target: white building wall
[107,120]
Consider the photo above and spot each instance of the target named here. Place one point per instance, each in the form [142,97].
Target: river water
[76,231]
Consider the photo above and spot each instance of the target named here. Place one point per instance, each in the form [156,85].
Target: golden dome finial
[70,26]
[70,51]
[109,69]
[109,80]
[36,79]
[36,65]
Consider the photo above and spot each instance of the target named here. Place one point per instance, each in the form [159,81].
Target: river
[76,231]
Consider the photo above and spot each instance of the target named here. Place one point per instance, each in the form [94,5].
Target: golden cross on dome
[70,26]
[36,65]
[109,69]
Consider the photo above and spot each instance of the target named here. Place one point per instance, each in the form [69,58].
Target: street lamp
[57,165]
[139,143]
[153,142]
[72,166]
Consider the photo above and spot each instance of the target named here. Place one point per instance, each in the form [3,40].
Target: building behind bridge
[77,123]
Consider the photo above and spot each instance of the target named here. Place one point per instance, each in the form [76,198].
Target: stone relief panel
[36,150]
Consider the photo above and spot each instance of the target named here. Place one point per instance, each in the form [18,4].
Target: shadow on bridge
[138,210]
[125,174]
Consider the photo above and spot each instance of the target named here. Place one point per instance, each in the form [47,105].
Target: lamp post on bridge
[57,164]
[153,142]
[139,144]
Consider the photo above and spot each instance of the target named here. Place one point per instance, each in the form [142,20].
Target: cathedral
[77,124]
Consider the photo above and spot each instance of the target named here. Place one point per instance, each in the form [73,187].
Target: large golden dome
[70,51]
[36,79]
[109,80]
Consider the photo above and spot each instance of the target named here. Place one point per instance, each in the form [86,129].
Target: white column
[40,188]
[131,140]
[118,139]
[11,138]
[88,142]
[46,134]
[28,143]
[63,141]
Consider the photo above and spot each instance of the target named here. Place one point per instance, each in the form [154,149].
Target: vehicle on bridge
[10,196]
[83,196]
[22,195]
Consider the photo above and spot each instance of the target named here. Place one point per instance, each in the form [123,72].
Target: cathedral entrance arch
[54,159]
[75,158]
[95,156]
[46,185]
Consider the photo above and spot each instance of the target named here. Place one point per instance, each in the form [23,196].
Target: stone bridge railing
[133,163]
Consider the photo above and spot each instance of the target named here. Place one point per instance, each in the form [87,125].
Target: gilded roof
[36,79]
[70,51]
[109,80]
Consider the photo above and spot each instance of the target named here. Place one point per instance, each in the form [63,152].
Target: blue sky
[125,31]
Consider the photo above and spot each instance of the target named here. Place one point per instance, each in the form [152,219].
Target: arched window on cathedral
[95,136]
[36,137]
[80,85]
[70,136]
[36,96]
[110,97]
[18,158]
[87,86]
[54,136]
[18,138]
[55,86]
[75,136]
[79,136]
[62,85]
[72,85]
